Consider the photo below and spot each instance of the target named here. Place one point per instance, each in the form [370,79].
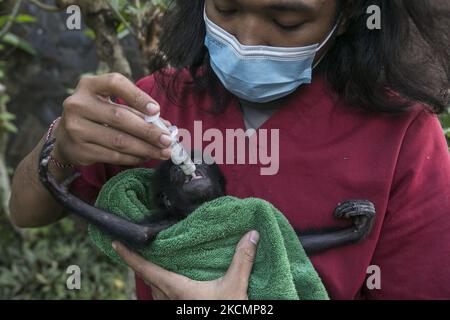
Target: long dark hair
[386,70]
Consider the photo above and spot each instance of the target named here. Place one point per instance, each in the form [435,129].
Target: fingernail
[153,108]
[254,237]
[165,140]
[166,153]
[114,246]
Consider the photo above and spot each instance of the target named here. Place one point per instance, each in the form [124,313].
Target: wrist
[58,166]
[60,174]
[56,158]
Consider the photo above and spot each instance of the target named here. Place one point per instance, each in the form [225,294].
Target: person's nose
[251,32]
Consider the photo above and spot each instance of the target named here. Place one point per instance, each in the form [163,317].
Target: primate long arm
[361,213]
[118,227]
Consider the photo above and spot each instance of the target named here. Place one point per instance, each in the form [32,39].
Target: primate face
[193,187]
[184,193]
[191,191]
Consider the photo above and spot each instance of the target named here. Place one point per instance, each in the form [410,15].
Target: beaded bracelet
[52,159]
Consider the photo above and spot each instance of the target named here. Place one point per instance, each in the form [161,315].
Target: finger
[115,140]
[166,122]
[169,282]
[356,210]
[109,101]
[85,154]
[93,153]
[117,85]
[241,266]
[350,205]
[157,294]
[124,119]
[138,113]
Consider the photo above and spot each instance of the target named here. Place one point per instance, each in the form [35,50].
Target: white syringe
[179,155]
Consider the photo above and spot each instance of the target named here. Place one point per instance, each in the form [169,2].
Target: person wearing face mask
[356,112]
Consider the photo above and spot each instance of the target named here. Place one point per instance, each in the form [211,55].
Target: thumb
[241,266]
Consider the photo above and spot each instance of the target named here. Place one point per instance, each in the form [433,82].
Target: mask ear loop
[325,42]
[319,61]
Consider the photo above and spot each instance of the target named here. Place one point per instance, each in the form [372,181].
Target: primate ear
[166,201]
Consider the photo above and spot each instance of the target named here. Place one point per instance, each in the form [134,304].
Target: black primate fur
[175,196]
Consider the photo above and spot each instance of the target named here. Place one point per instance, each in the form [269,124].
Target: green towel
[201,246]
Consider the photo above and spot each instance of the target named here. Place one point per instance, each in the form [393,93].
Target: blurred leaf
[132,10]
[123,34]
[89,33]
[41,278]
[121,27]
[163,4]
[115,4]
[15,41]
[21,18]
[8,126]
[25,18]
[7,116]
[119,283]
[4,99]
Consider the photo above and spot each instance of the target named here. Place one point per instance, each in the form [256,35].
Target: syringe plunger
[179,155]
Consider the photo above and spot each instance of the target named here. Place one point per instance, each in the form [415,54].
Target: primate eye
[173,173]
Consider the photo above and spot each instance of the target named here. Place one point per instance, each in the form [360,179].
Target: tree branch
[10,21]
[44,6]
[121,18]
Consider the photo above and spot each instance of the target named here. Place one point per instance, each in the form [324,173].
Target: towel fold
[202,246]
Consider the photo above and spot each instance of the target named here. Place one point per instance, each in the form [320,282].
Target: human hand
[93,129]
[169,285]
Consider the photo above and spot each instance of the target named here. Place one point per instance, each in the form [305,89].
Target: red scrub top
[330,152]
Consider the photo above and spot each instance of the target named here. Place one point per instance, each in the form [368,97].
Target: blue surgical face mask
[258,73]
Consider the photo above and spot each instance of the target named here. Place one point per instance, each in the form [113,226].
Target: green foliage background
[33,263]
[445,120]
[33,266]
